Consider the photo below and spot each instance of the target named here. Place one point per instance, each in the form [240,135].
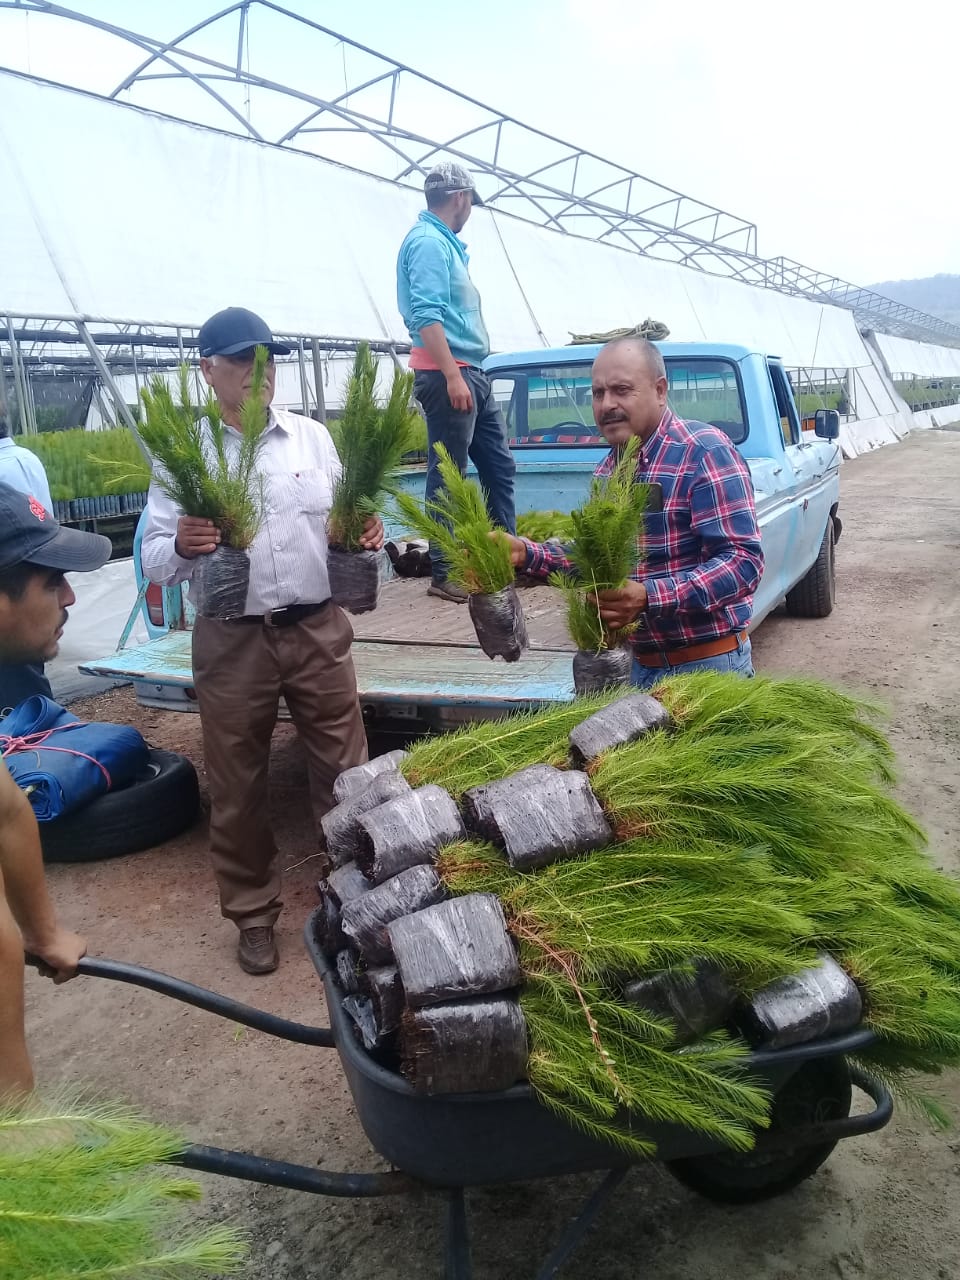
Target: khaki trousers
[240,672]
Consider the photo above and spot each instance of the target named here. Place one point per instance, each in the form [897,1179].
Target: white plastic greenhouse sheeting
[903,356]
[199,220]
[288,393]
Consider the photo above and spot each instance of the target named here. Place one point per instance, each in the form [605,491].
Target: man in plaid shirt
[693,592]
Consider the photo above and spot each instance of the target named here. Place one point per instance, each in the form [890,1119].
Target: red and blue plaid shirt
[700,556]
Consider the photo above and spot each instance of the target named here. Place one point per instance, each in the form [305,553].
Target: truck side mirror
[826,424]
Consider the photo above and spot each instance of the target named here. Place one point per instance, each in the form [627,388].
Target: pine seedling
[544,526]
[80,1198]
[734,845]
[195,467]
[458,523]
[371,440]
[604,551]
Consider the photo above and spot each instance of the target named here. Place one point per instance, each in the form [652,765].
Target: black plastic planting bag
[694,1002]
[326,923]
[361,1012]
[364,921]
[473,1046]
[355,578]
[408,830]
[499,623]
[457,948]
[538,816]
[347,973]
[341,825]
[346,883]
[625,720]
[219,584]
[352,781]
[593,672]
[386,995]
[822,1001]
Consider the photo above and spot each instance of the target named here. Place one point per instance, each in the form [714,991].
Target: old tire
[815,594]
[157,806]
[819,1091]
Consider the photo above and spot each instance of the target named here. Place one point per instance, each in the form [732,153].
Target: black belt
[285,617]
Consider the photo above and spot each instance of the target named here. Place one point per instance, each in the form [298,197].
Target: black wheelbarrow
[446,1144]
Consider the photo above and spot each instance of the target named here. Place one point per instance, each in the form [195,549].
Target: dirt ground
[885,1205]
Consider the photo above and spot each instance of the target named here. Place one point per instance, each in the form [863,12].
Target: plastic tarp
[906,357]
[63,763]
[215,220]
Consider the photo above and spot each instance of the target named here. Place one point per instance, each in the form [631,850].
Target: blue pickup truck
[417,659]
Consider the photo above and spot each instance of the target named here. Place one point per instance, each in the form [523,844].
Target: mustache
[608,419]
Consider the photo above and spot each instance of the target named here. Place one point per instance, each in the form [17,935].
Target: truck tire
[815,594]
[157,806]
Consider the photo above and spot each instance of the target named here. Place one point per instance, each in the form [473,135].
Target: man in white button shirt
[293,642]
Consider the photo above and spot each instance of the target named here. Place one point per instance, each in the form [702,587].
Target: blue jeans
[479,435]
[737,662]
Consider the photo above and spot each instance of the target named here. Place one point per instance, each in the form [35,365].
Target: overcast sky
[832,126]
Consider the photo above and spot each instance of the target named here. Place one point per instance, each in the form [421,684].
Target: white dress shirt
[288,559]
[22,469]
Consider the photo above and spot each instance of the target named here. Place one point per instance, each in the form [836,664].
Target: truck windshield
[552,404]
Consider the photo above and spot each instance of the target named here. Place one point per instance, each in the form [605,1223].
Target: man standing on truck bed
[293,641]
[35,553]
[441,309]
[693,592]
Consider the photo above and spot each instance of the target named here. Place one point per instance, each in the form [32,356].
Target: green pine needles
[371,439]
[544,526]
[457,522]
[80,1199]
[605,548]
[197,469]
[757,832]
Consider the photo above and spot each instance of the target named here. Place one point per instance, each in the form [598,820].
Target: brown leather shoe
[257,951]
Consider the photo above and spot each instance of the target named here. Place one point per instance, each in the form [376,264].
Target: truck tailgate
[416,658]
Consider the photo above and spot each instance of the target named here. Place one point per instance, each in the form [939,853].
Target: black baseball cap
[236,329]
[30,535]
[450,178]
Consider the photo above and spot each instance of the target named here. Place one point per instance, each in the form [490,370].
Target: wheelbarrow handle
[200,998]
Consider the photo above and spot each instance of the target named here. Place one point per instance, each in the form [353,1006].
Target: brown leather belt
[691,652]
[285,617]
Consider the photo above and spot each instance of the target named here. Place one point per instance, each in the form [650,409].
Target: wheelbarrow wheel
[819,1091]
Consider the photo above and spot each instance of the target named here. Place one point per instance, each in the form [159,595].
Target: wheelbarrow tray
[474,1139]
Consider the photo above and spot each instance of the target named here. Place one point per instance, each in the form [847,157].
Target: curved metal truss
[375,123]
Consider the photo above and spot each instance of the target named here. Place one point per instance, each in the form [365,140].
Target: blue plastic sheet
[63,763]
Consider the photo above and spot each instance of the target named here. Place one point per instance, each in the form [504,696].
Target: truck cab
[546,401]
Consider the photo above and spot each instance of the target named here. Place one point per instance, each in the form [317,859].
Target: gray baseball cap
[449,178]
[30,535]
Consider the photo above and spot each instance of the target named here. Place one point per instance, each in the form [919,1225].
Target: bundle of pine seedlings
[604,549]
[196,470]
[679,877]
[457,522]
[81,1198]
[371,440]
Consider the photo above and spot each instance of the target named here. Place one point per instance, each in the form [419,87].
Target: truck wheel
[155,807]
[819,1091]
[815,595]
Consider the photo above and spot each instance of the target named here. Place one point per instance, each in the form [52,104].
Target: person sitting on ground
[22,470]
[35,553]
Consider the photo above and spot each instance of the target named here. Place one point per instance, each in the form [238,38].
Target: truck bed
[416,657]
